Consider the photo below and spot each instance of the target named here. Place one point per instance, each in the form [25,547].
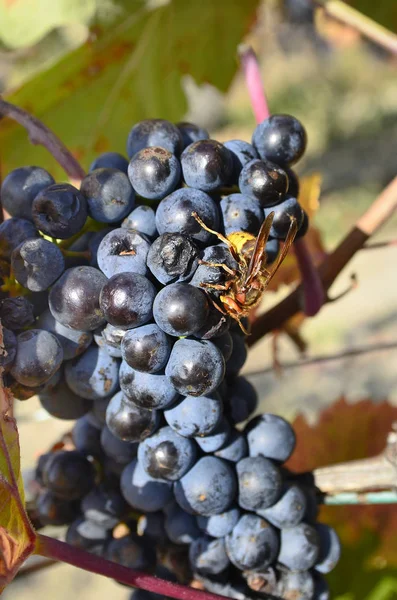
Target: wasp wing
[293,229]
[255,264]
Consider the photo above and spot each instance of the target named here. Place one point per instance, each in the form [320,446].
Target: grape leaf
[128,71]
[17,537]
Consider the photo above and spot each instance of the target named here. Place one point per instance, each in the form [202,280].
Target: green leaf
[132,71]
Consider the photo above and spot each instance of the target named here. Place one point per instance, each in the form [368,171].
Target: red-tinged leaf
[17,537]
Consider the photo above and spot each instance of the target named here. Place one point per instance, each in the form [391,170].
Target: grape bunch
[120,311]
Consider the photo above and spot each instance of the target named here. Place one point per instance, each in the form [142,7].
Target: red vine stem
[41,134]
[313,293]
[377,214]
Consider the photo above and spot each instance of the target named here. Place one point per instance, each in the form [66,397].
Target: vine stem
[313,292]
[41,134]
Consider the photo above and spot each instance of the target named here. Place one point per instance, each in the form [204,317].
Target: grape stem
[312,289]
[41,134]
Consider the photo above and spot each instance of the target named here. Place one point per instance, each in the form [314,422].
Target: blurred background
[91,69]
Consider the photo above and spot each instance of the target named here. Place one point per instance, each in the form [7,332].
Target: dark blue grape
[110,160]
[208,555]
[270,436]
[8,350]
[272,249]
[115,448]
[126,300]
[206,165]
[253,544]
[293,187]
[73,342]
[180,309]
[174,214]
[218,526]
[299,586]
[321,588]
[59,211]
[289,510]
[263,581]
[241,399]
[303,229]
[147,390]
[39,355]
[141,491]
[105,507]
[132,551]
[216,325]
[241,213]
[299,548]
[195,367]
[180,526]
[284,212]
[89,536]
[20,188]
[146,348]
[280,138]
[68,475]
[330,548]
[94,240]
[128,422]
[209,487]
[172,258]
[93,375]
[143,219]
[192,416]
[166,454]
[52,510]
[86,437]
[74,298]
[191,133]
[242,153]
[264,181]
[60,402]
[13,232]
[259,481]
[238,356]
[121,251]
[217,438]
[235,448]
[109,195]
[154,173]
[16,313]
[97,415]
[154,132]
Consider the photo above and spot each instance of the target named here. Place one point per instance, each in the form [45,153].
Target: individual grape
[241,213]
[154,132]
[235,448]
[121,251]
[74,298]
[272,249]
[242,153]
[270,436]
[289,510]
[110,160]
[105,507]
[180,309]
[208,555]
[97,415]
[280,138]
[154,173]
[191,133]
[299,547]
[89,536]
[263,581]
[152,526]
[68,475]
[13,232]
[293,188]
[214,327]
[20,188]
[128,422]
[59,211]
[60,402]
[195,367]
[330,548]
[19,391]
[93,375]
[192,416]
[303,229]
[284,212]
[217,438]
[209,487]
[86,437]
[172,258]
[143,219]
[218,526]
[109,195]
[120,451]
[241,399]
[207,274]
[146,348]
[8,349]
[16,313]
[126,300]
[73,342]
[109,338]
[299,586]
[321,588]
[133,552]
[39,355]
[174,214]
[52,510]
[206,165]
[253,544]
[94,242]
[141,491]
[180,526]
[147,390]
[166,454]
[259,482]
[238,356]
[264,181]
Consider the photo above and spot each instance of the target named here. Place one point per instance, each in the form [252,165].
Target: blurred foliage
[384,12]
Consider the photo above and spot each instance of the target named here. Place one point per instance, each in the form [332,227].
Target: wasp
[244,286]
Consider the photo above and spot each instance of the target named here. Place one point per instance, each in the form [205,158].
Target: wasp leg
[215,286]
[206,263]
[221,237]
